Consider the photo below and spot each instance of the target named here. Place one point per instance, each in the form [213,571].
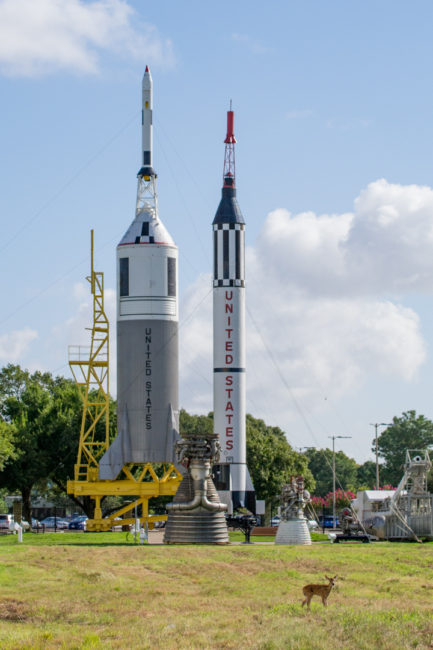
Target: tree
[272,461]
[26,401]
[406,432]
[366,475]
[46,413]
[7,448]
[195,423]
[320,465]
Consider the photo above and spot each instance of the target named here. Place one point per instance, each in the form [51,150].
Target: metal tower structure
[90,370]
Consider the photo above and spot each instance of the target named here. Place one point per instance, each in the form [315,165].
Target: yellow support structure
[90,368]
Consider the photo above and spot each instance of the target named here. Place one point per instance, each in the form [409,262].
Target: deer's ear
[326,578]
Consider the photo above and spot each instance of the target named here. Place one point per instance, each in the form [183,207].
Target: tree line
[40,417]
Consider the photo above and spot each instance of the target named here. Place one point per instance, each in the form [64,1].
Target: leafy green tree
[320,465]
[366,475]
[7,448]
[27,402]
[195,423]
[272,461]
[46,413]
[406,432]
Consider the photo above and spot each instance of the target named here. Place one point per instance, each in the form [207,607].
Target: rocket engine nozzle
[200,474]
[197,453]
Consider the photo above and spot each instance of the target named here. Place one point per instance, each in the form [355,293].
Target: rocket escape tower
[229,179]
[147,198]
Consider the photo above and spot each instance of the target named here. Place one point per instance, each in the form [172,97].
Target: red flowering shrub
[343,498]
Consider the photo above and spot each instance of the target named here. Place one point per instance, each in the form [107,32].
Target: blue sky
[333,106]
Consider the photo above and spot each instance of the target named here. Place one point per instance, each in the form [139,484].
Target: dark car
[79,523]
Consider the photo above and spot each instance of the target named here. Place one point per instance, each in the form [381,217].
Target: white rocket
[147,326]
[232,478]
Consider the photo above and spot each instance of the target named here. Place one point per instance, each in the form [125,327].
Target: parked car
[275,520]
[55,522]
[7,523]
[327,521]
[5,520]
[79,523]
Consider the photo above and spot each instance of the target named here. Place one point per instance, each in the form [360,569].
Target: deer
[318,590]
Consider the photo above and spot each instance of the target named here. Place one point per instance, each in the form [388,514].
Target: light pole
[334,525]
[375,425]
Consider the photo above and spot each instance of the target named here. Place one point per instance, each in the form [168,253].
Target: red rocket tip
[147,69]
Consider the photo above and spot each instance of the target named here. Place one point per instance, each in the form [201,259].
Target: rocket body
[232,477]
[147,341]
[147,327]
[229,341]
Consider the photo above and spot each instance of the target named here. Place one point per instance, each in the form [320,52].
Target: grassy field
[101,591]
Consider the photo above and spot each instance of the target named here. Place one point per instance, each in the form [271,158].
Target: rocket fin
[118,453]
[172,433]
[246,496]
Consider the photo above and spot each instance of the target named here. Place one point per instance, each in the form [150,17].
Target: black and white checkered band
[146,235]
[229,226]
[229,254]
[229,283]
[145,240]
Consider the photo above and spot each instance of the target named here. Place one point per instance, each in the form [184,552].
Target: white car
[5,521]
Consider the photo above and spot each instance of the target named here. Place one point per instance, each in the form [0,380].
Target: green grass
[100,591]
[69,538]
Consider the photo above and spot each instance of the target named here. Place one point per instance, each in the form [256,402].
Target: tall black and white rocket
[147,326]
[231,475]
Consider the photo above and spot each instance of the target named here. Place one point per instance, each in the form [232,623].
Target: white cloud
[50,35]
[391,237]
[14,344]
[319,300]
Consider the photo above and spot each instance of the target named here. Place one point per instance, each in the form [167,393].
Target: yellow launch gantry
[90,368]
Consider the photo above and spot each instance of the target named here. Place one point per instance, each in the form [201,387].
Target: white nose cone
[147,80]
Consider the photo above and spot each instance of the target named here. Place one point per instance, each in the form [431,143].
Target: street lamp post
[375,425]
[334,517]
